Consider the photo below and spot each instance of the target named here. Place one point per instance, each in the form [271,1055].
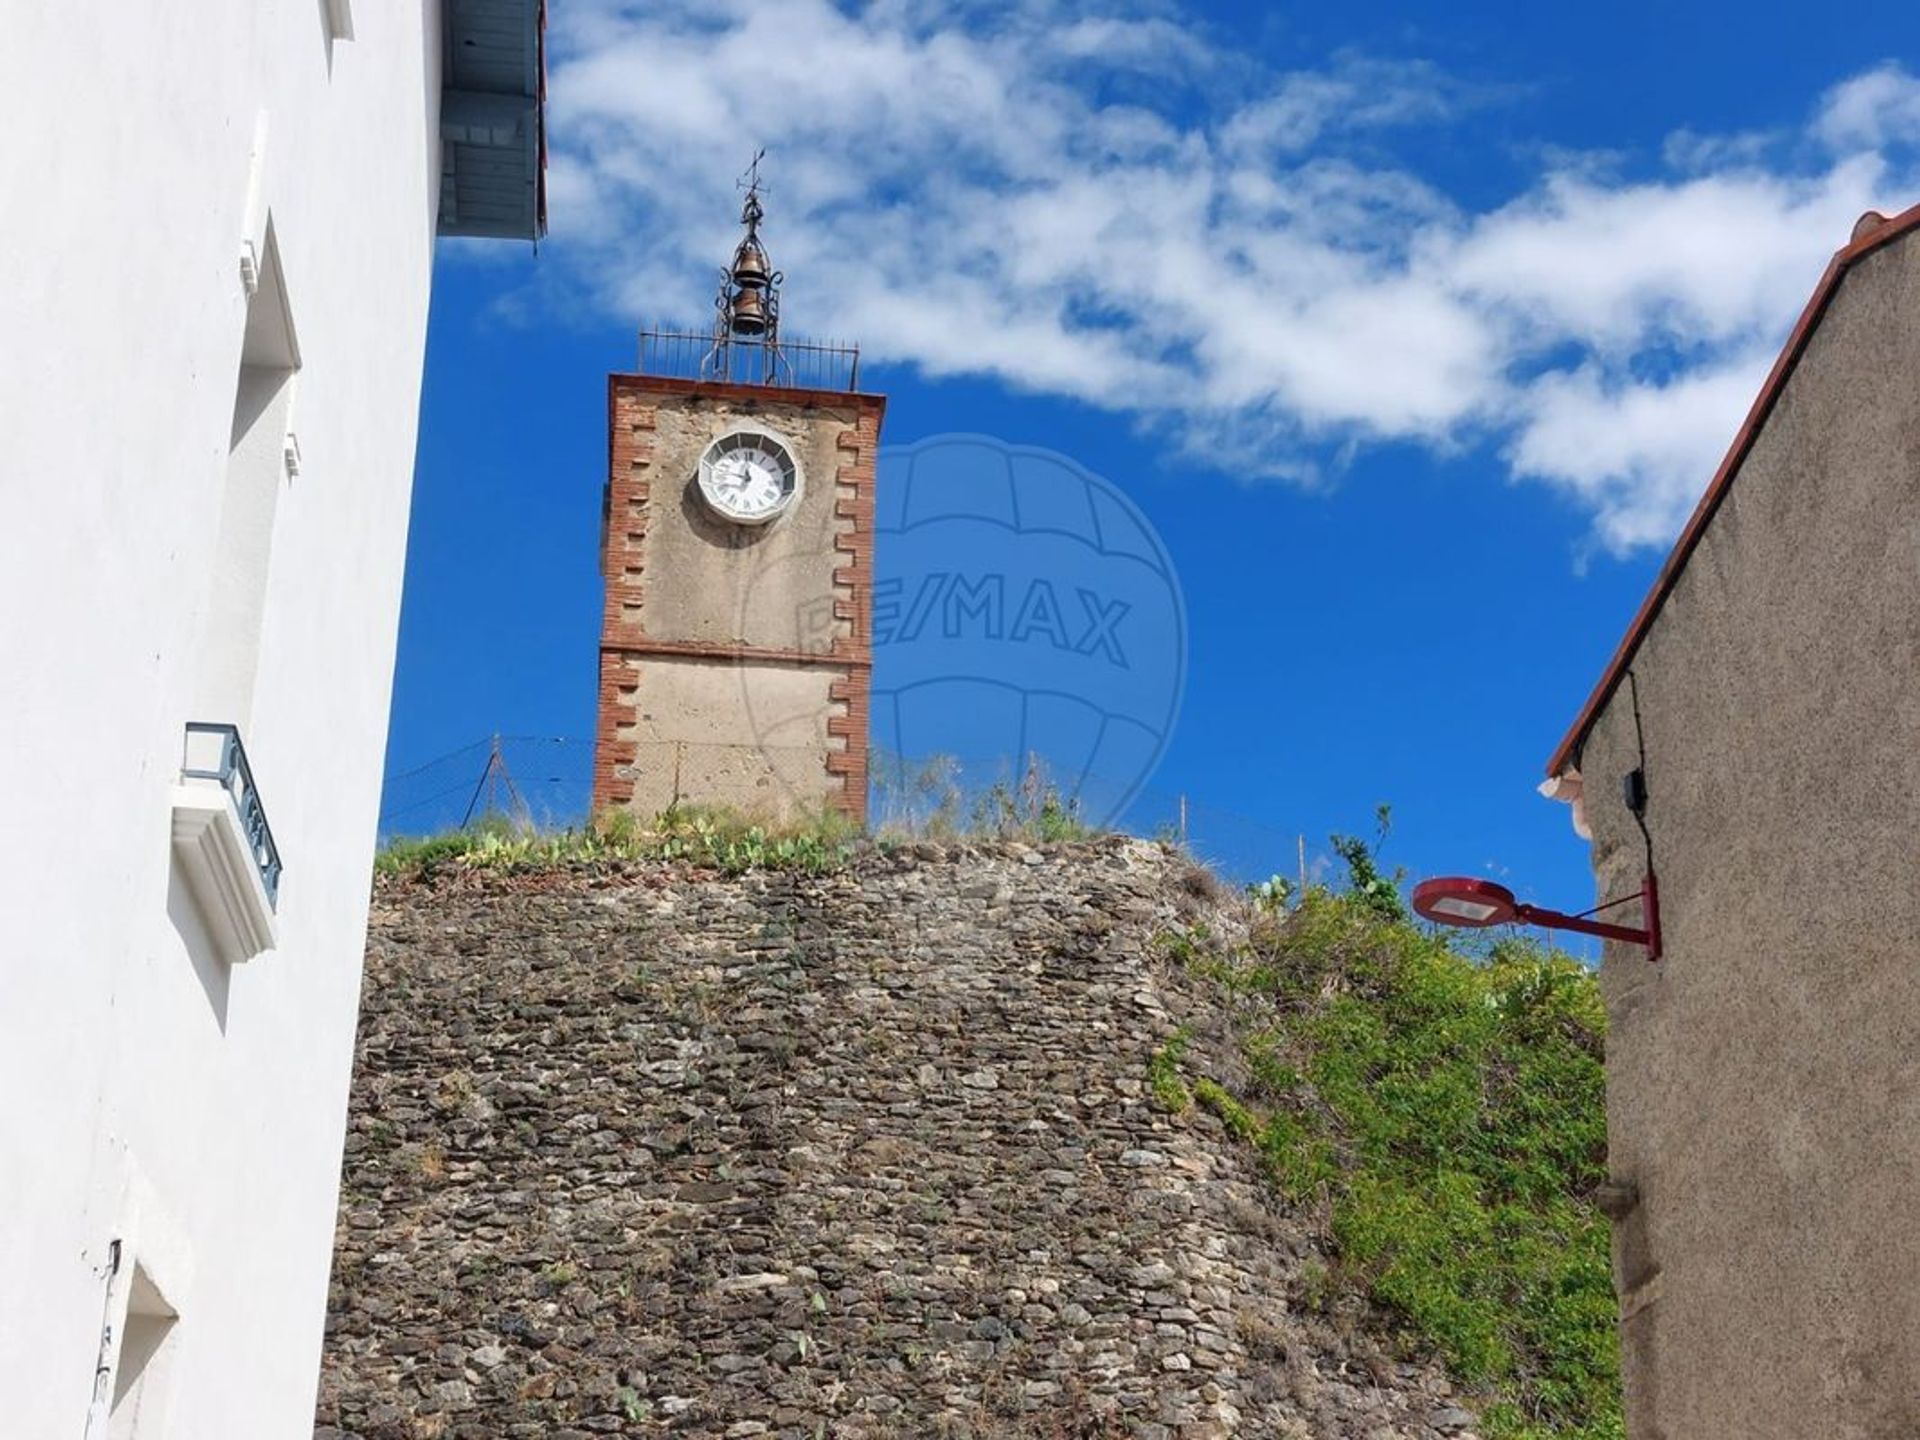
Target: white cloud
[1701,261]
[1115,206]
[1354,93]
[1871,109]
[1637,453]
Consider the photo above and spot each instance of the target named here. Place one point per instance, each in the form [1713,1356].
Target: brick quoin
[853,601]
[622,565]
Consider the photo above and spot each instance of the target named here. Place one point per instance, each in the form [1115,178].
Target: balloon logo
[1025,614]
[1028,630]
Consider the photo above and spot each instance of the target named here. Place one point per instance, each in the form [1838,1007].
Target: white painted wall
[146,1090]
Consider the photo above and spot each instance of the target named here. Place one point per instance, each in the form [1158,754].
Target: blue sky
[1414,335]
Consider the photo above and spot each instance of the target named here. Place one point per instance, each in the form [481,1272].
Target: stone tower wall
[735,660]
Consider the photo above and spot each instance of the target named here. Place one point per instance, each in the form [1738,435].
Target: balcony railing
[214,752]
[738,360]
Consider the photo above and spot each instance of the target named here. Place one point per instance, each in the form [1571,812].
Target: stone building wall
[1762,1095]
[870,1154]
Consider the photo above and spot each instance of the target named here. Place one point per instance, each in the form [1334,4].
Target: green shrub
[1366,884]
[1448,1113]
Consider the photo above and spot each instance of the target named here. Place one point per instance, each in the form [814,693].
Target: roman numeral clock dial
[748,477]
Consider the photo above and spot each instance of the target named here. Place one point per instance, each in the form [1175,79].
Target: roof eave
[1566,755]
[495,124]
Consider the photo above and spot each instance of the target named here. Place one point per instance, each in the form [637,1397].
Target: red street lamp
[1475,904]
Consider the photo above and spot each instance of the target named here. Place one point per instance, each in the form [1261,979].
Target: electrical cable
[386,815]
[1640,744]
[438,759]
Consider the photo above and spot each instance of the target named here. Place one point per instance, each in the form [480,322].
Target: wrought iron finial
[743,345]
[749,298]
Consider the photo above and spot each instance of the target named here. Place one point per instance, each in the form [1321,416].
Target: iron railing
[739,360]
[214,752]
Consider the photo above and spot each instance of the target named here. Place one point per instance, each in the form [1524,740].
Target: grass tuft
[708,838]
[913,802]
[934,798]
[1163,1073]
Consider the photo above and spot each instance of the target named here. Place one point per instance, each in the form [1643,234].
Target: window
[137,1344]
[141,1370]
[262,457]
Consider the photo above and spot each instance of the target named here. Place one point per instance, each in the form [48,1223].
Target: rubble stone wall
[651,1152]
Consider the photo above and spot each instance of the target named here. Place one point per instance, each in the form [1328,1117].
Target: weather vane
[750,177]
[751,212]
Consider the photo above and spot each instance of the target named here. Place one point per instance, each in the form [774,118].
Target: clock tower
[736,643]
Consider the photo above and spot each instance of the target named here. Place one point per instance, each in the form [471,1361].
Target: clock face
[748,477]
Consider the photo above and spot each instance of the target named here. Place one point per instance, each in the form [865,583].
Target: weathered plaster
[1764,1077]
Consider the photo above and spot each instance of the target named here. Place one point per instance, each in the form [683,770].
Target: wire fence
[552,775]
[546,782]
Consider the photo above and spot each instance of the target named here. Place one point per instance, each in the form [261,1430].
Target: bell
[749,313]
[750,268]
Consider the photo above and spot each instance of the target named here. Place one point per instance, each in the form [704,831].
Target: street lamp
[1475,904]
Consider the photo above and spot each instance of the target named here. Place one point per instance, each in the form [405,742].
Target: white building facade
[220,229]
